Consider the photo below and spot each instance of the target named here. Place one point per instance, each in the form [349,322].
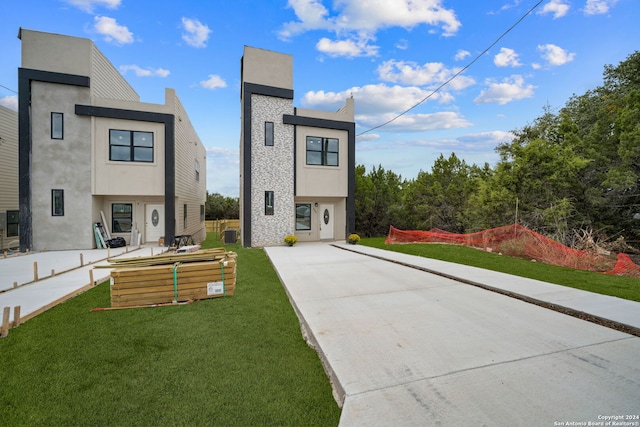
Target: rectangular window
[303,216]
[322,151]
[197,171]
[121,217]
[268,133]
[12,223]
[130,146]
[57,126]
[268,202]
[201,213]
[57,202]
[184,216]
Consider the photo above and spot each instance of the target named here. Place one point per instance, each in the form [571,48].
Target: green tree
[218,206]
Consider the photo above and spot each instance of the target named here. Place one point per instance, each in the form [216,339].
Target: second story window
[57,126]
[322,151]
[130,146]
[268,133]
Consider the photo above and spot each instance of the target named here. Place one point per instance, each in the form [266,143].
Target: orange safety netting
[518,241]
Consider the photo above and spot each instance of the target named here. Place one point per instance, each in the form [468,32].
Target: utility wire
[456,74]
[10,90]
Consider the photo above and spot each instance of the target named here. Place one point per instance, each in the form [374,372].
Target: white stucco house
[89,148]
[9,236]
[297,166]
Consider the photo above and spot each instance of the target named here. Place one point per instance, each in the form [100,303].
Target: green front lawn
[239,360]
[617,286]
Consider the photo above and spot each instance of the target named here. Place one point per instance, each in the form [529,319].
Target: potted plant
[353,238]
[290,240]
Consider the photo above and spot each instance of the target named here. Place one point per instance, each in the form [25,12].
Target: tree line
[574,169]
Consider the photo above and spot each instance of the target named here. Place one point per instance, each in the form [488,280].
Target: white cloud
[369,99]
[10,101]
[111,31]
[349,48]
[431,73]
[416,122]
[506,58]
[214,81]
[402,44]
[223,169]
[598,7]
[196,34]
[461,54]
[485,140]
[555,55]
[559,8]
[89,5]
[369,16]
[144,72]
[510,89]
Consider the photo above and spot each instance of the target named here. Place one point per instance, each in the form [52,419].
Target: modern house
[8,178]
[297,166]
[90,151]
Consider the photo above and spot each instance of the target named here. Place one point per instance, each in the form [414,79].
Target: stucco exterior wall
[61,164]
[8,169]
[127,178]
[272,170]
[321,181]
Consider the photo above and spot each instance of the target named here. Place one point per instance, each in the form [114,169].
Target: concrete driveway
[404,347]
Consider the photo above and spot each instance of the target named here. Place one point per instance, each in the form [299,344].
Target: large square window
[303,216]
[121,217]
[130,146]
[322,151]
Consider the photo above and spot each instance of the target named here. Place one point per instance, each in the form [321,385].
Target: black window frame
[269,202]
[269,134]
[184,216]
[197,167]
[202,215]
[60,117]
[13,223]
[299,226]
[57,202]
[115,219]
[324,151]
[132,146]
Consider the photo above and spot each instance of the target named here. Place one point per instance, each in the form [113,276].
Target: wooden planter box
[177,282]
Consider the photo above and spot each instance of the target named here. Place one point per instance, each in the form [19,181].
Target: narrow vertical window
[57,126]
[201,213]
[13,223]
[197,171]
[184,216]
[57,202]
[268,202]
[268,133]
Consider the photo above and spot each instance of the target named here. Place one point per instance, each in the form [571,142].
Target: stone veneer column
[272,169]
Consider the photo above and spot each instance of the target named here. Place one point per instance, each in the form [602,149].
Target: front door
[154,223]
[326,222]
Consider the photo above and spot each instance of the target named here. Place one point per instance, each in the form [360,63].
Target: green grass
[617,286]
[238,360]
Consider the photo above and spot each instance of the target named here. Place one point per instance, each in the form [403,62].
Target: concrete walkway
[60,276]
[405,347]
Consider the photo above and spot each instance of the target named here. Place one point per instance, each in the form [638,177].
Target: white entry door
[153,222]
[326,222]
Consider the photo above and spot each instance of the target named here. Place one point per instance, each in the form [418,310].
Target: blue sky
[388,54]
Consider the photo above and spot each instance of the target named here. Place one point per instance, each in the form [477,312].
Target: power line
[456,74]
[10,90]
